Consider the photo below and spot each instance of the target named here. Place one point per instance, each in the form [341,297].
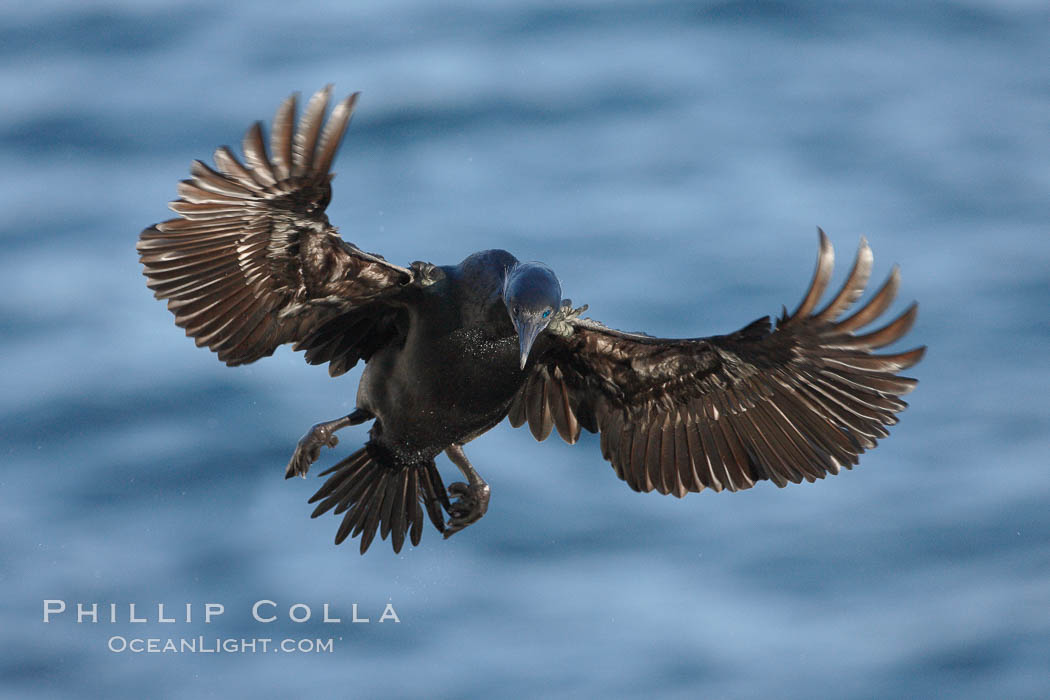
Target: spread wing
[252,262]
[793,403]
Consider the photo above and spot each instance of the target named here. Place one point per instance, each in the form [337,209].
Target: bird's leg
[309,447]
[472,498]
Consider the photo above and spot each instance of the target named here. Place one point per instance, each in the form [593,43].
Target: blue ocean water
[671,161]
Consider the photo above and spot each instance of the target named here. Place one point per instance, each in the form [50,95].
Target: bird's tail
[377,490]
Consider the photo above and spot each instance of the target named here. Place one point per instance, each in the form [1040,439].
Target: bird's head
[532,294]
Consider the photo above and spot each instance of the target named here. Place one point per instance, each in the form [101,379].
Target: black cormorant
[252,263]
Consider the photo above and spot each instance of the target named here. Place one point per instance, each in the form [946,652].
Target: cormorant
[252,262]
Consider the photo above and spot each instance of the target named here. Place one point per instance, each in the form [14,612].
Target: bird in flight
[252,262]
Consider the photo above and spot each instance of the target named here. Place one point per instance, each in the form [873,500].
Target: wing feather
[254,148]
[281,138]
[651,460]
[304,143]
[683,459]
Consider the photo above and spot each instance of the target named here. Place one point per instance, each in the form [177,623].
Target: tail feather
[375,492]
[416,531]
[434,495]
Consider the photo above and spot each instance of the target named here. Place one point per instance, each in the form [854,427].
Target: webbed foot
[321,435]
[471,504]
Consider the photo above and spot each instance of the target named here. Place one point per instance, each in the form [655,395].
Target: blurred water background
[671,161]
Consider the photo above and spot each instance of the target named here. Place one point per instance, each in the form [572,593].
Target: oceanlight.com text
[217,645]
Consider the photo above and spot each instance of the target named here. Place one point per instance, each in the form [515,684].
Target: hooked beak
[528,331]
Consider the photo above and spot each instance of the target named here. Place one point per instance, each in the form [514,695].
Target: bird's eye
[546,313]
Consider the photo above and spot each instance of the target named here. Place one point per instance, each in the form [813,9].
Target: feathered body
[455,373]
[252,262]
